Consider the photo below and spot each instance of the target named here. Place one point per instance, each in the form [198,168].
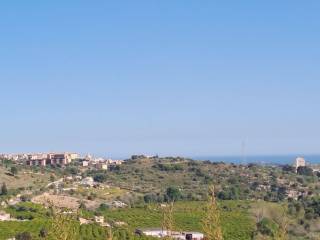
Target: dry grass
[107,194]
[61,201]
[23,179]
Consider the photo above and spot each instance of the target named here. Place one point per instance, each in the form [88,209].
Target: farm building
[160,233]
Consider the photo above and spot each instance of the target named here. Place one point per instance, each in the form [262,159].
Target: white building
[300,162]
[85,163]
[4,216]
[119,204]
[99,219]
[159,233]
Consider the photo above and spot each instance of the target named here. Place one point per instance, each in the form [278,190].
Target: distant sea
[267,160]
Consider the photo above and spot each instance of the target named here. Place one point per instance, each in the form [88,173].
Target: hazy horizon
[167,78]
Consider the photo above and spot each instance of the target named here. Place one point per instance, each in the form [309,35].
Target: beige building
[102,166]
[74,156]
[300,162]
[43,159]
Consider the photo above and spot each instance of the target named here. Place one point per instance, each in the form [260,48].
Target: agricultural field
[33,218]
[86,232]
[237,223]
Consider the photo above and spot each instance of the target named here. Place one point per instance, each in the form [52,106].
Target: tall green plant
[167,219]
[211,222]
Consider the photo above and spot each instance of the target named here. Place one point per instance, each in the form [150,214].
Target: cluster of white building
[42,159]
[99,163]
[14,157]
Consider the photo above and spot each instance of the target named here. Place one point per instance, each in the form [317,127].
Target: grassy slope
[143,176]
[23,179]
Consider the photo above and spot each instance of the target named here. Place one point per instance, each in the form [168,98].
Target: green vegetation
[4,189]
[250,198]
[236,221]
[14,170]
[211,223]
[46,224]
[26,178]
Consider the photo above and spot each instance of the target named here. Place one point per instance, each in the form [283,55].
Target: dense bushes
[267,227]
[305,171]
[168,167]
[100,177]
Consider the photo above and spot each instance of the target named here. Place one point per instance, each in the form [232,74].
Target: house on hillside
[4,216]
[102,166]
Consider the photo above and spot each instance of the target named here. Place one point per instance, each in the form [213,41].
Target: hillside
[155,175]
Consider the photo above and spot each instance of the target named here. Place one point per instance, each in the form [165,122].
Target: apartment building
[44,159]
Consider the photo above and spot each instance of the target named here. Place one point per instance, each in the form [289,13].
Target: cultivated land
[236,221]
[254,200]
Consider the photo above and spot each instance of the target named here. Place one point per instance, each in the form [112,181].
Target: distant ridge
[261,159]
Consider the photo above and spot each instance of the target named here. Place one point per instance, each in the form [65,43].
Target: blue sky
[160,77]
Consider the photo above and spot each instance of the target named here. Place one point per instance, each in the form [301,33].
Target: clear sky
[169,77]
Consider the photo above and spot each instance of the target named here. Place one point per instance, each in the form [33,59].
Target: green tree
[267,227]
[100,177]
[14,170]
[4,189]
[82,206]
[23,236]
[52,178]
[43,233]
[173,194]
[305,171]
